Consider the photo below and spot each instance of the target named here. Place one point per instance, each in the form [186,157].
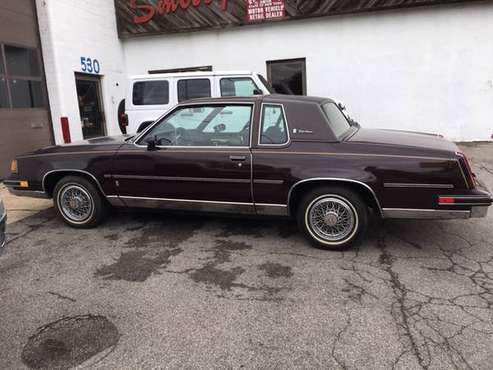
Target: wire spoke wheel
[332,219]
[76,203]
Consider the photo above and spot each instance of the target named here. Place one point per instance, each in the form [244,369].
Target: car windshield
[337,121]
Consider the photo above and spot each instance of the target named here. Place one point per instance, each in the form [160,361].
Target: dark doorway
[287,76]
[90,106]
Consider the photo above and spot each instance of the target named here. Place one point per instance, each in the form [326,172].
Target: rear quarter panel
[371,165]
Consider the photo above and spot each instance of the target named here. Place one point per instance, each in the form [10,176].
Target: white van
[150,96]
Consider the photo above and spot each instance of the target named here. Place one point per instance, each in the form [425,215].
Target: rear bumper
[463,206]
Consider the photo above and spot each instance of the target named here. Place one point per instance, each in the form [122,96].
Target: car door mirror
[151,144]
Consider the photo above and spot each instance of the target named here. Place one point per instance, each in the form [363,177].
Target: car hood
[103,140]
[99,143]
[403,138]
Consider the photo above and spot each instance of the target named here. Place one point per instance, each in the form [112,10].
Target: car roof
[157,76]
[275,98]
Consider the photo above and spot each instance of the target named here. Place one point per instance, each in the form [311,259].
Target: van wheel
[79,203]
[333,217]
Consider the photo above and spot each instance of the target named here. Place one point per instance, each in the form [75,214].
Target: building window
[287,76]
[21,82]
[151,93]
[193,89]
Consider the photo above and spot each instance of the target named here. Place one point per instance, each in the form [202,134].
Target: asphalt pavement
[151,290]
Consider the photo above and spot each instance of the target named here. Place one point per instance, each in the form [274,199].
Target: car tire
[333,217]
[79,203]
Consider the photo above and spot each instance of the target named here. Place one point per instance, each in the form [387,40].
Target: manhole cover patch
[69,342]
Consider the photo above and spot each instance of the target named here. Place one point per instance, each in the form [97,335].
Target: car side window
[207,125]
[150,93]
[274,129]
[238,86]
[193,89]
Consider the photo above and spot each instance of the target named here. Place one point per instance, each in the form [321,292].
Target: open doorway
[90,105]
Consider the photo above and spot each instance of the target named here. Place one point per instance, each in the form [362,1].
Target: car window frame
[187,105]
[261,125]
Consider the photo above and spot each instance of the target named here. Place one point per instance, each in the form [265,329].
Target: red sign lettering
[145,11]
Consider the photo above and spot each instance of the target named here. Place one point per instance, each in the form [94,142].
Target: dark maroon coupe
[265,155]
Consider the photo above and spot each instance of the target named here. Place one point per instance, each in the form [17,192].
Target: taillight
[466,168]
[123,120]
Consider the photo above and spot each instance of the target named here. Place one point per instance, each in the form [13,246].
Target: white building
[427,68]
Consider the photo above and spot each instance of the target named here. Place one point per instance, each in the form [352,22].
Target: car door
[272,162]
[198,159]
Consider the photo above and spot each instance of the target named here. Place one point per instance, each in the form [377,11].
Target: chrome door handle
[237,158]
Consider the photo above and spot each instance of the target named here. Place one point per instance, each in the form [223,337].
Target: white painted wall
[69,30]
[428,69]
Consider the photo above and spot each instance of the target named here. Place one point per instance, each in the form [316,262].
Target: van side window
[193,89]
[273,130]
[151,93]
[238,86]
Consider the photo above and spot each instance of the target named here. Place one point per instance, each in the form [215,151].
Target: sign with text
[145,17]
[260,10]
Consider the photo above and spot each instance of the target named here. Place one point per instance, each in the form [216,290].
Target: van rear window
[151,93]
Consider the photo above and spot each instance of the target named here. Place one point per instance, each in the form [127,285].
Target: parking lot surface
[152,290]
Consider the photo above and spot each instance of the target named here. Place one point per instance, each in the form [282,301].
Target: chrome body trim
[421,186]
[28,193]
[261,123]
[3,227]
[115,201]
[181,105]
[263,151]
[462,172]
[71,170]
[189,205]
[199,205]
[334,179]
[425,214]
[177,178]
[268,182]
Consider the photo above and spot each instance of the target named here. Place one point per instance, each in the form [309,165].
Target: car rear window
[337,121]
[151,93]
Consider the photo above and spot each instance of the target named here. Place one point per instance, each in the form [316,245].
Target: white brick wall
[69,30]
[425,69]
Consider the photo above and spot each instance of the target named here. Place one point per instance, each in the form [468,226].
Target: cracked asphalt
[150,290]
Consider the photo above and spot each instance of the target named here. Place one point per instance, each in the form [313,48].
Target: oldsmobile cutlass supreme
[265,155]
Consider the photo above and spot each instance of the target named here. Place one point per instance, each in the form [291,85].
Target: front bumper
[14,187]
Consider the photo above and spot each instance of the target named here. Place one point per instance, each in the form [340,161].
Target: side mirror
[151,144]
